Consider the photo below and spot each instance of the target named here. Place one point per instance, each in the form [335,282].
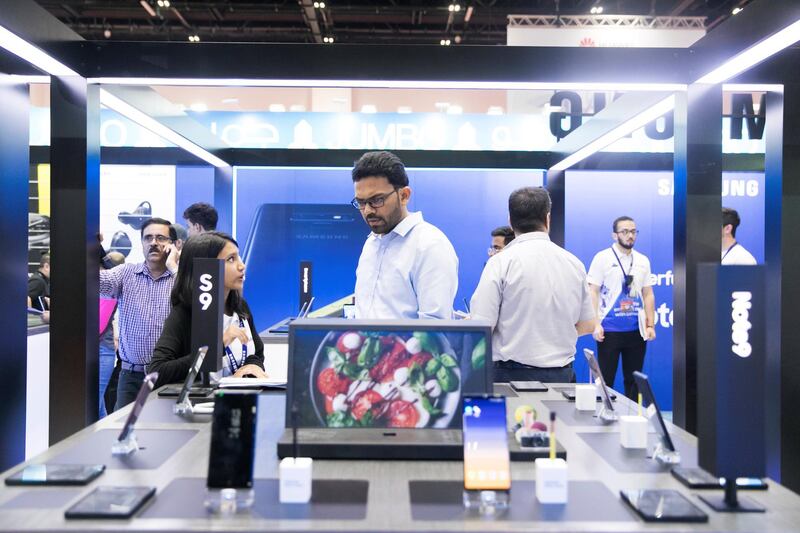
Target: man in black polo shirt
[39,285]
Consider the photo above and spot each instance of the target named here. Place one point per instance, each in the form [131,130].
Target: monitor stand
[730,503]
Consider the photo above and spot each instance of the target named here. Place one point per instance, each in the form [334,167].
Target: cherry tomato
[330,383]
[420,358]
[328,404]
[402,414]
[364,401]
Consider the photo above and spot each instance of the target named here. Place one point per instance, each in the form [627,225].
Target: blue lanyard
[229,353]
[728,251]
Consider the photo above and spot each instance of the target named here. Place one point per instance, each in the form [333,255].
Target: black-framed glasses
[161,239]
[375,202]
[626,232]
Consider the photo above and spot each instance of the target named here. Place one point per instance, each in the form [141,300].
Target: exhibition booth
[109,136]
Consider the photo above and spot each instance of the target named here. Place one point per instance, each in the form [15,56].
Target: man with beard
[407,268]
[621,286]
[142,291]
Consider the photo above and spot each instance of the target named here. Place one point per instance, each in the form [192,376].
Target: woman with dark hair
[243,348]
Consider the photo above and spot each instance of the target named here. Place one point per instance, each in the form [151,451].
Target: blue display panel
[595,198]
[466,204]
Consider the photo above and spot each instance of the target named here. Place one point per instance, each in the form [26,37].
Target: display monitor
[381,373]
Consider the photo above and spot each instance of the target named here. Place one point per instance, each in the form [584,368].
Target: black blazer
[173,355]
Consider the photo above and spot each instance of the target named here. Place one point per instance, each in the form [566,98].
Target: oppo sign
[740,313]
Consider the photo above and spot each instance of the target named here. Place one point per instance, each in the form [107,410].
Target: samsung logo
[740,313]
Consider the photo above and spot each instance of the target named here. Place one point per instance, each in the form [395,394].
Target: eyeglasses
[375,202]
[626,232]
[161,239]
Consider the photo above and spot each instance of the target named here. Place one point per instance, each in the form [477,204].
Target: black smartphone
[663,506]
[487,463]
[46,474]
[528,386]
[569,394]
[697,478]
[111,502]
[195,393]
[233,440]
[141,397]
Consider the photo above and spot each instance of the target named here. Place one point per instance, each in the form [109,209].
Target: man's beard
[626,246]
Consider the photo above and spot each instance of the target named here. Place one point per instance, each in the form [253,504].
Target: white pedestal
[551,480]
[633,432]
[295,480]
[585,397]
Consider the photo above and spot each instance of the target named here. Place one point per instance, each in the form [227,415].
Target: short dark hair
[381,164]
[203,214]
[504,231]
[44,259]
[208,244]
[731,216]
[528,208]
[162,222]
[180,232]
[617,220]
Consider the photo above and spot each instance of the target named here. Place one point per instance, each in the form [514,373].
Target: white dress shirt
[533,293]
[737,255]
[410,272]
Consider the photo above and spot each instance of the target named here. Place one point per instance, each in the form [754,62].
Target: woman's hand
[232,333]
[251,370]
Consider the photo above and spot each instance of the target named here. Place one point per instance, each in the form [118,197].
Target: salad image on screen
[390,379]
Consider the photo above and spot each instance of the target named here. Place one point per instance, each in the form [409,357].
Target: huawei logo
[587,41]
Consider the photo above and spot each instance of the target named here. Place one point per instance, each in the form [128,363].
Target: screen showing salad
[387,379]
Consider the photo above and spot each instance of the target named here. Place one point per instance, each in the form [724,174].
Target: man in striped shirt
[142,291]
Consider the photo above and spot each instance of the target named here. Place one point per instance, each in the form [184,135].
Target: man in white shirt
[535,296]
[407,268]
[733,253]
[622,289]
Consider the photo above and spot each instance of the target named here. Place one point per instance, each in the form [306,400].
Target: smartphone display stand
[665,456]
[487,502]
[730,502]
[183,408]
[230,501]
[126,446]
[605,415]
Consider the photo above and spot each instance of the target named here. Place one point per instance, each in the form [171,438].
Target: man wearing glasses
[407,268]
[622,294]
[142,291]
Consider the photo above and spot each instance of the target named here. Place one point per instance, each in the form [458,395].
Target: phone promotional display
[55,475]
[663,506]
[111,502]
[126,442]
[607,413]
[487,465]
[665,451]
[183,405]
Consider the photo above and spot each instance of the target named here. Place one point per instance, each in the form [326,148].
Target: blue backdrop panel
[192,184]
[595,198]
[466,204]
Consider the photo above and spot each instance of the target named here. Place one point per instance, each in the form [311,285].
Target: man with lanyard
[142,291]
[733,253]
[619,279]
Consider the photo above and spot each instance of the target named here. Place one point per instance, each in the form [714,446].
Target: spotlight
[316,5]
[736,10]
[194,38]
[599,9]
[322,5]
[457,8]
[166,3]
[107,33]
[445,42]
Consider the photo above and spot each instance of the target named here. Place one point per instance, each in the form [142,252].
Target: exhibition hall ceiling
[353,21]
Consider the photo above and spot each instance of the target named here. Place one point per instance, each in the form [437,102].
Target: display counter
[371,495]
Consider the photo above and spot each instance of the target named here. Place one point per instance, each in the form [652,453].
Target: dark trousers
[632,347]
[505,371]
[128,387]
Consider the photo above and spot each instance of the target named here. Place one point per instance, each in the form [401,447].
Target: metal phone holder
[183,408]
[487,502]
[664,456]
[606,416]
[126,446]
[230,501]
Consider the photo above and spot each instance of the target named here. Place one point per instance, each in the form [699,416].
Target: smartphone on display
[55,475]
[663,506]
[138,404]
[528,386]
[697,478]
[605,396]
[569,394]
[652,410]
[192,375]
[487,464]
[111,502]
[233,440]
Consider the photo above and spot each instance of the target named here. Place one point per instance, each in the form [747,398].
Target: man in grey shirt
[535,296]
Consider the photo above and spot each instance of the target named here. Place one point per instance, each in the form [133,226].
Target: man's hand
[173,256]
[46,317]
[651,333]
[232,333]
[599,333]
[251,370]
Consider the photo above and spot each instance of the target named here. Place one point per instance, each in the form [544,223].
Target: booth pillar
[75,223]
[554,182]
[696,229]
[14,172]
